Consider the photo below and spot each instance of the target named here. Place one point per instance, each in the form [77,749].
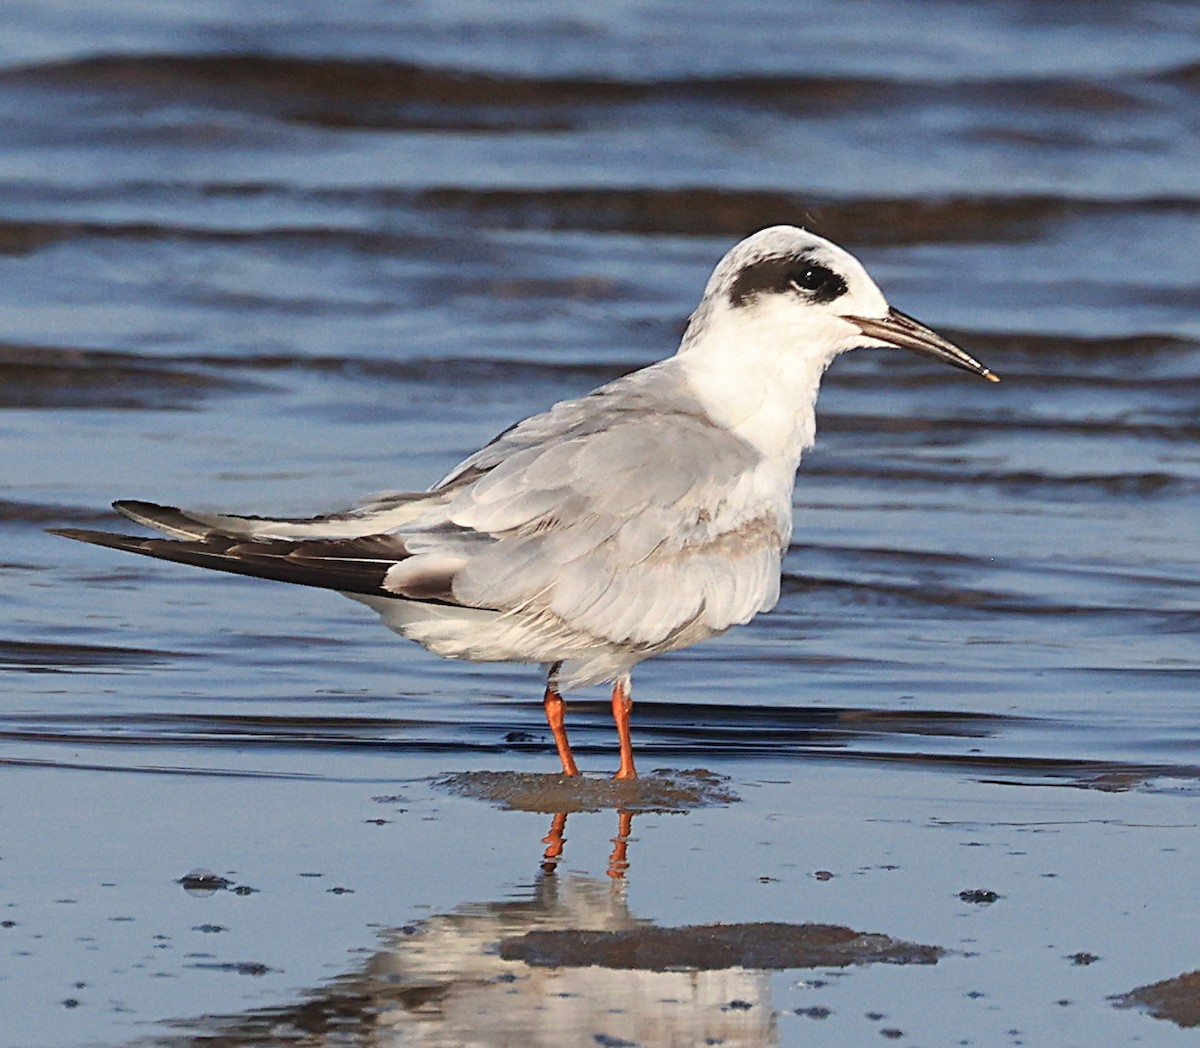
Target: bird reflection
[561,963]
[444,982]
[618,861]
[472,995]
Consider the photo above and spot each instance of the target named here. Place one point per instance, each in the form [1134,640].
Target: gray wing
[626,515]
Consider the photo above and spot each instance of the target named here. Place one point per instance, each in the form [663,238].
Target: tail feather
[170,520]
[349,566]
[384,514]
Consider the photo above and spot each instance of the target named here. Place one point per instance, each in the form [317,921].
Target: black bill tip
[900,330]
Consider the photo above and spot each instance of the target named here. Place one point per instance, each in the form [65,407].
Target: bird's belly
[478,634]
[481,635]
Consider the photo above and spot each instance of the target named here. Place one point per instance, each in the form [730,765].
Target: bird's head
[790,288]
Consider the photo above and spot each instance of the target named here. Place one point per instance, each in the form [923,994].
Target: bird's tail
[384,513]
[357,565]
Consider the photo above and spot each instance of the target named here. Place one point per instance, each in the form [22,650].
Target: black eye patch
[816,282]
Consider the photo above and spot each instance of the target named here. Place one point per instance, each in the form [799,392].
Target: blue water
[271,259]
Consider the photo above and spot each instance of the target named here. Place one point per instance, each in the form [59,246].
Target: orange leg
[555,707]
[622,706]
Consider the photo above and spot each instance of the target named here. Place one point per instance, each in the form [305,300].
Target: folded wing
[624,515]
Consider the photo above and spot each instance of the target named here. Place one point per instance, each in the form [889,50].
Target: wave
[933,739]
[45,656]
[257,77]
[63,377]
[681,211]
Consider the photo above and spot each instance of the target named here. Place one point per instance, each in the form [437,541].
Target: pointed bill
[901,330]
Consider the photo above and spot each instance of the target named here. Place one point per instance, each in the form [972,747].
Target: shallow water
[272,260]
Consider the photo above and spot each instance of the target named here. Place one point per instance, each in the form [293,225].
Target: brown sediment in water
[761,946]
[1175,999]
[660,791]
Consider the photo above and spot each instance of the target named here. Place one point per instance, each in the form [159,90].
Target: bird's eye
[811,278]
[818,282]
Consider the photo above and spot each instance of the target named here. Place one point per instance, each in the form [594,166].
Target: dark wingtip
[135,508]
[82,534]
[97,538]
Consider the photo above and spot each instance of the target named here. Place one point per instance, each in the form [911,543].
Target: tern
[645,516]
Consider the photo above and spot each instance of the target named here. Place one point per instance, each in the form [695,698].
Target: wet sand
[937,907]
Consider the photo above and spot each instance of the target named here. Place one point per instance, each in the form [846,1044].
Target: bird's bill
[901,330]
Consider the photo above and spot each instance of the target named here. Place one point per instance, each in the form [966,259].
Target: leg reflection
[554,842]
[618,861]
